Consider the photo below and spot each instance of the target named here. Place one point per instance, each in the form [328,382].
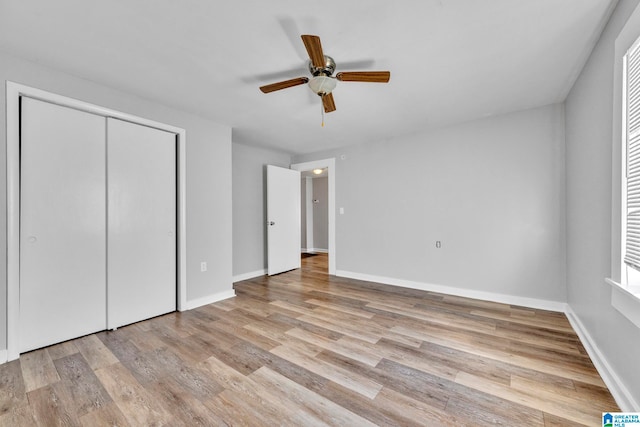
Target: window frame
[629,275]
[625,289]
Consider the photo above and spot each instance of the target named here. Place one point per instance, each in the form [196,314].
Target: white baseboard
[250,275]
[623,397]
[461,292]
[314,250]
[4,356]
[210,299]
[319,251]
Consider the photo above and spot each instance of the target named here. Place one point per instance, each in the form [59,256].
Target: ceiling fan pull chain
[322,109]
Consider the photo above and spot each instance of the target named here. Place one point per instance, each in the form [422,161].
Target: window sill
[626,299]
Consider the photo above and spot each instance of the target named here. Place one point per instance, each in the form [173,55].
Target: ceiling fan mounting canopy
[322,81]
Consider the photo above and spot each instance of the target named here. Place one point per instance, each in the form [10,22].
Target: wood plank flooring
[306,349]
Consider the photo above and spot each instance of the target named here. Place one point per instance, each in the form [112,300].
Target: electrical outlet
[203,266]
[438,244]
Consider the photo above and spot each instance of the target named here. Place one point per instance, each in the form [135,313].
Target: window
[625,282]
[631,164]
[631,168]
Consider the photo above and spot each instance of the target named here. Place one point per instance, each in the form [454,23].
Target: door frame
[308,207]
[330,165]
[13,93]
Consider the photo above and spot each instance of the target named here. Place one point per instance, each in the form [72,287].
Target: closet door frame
[14,92]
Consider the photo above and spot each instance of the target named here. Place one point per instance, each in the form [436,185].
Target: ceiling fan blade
[291,31]
[314,49]
[283,85]
[364,76]
[329,103]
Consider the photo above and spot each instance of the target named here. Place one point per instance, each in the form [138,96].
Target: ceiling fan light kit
[322,85]
[322,81]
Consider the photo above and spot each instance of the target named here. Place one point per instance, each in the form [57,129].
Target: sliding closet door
[141,254]
[62,224]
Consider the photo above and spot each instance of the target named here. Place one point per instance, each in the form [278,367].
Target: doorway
[315,210]
[328,168]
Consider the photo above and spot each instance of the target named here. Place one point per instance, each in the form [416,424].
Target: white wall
[208,174]
[249,207]
[492,191]
[589,126]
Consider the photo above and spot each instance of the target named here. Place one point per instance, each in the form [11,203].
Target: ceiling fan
[322,81]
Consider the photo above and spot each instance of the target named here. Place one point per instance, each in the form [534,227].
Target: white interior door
[283,219]
[62,224]
[141,170]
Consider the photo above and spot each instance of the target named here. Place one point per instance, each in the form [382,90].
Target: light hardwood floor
[304,349]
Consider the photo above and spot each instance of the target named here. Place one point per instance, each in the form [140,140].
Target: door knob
[272,223]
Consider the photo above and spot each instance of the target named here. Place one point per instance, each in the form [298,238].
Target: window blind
[632,131]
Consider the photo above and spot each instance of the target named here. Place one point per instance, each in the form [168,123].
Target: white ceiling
[450,60]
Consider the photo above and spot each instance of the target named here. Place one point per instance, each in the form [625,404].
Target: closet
[97,223]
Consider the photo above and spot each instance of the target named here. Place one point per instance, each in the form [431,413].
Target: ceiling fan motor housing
[327,70]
